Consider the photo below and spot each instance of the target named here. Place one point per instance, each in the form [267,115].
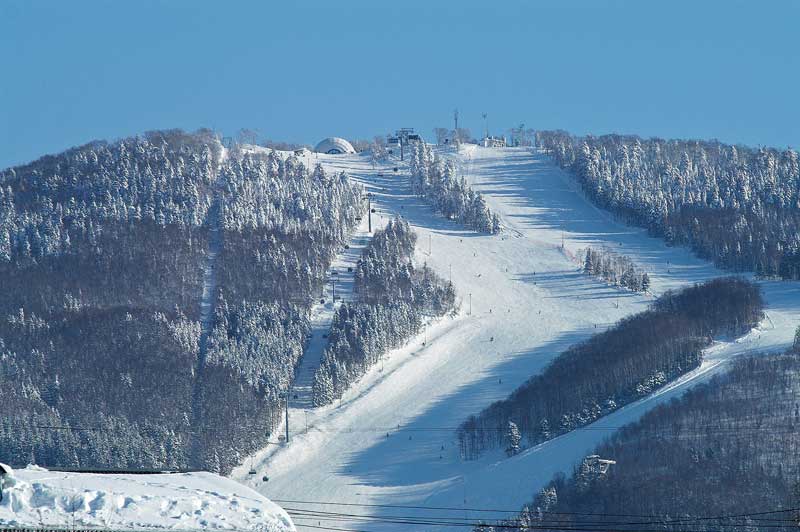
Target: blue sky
[75,71]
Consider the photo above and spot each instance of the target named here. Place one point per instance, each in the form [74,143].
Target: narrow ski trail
[340,280]
[207,301]
[392,438]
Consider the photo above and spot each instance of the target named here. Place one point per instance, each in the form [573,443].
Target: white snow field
[37,498]
[391,440]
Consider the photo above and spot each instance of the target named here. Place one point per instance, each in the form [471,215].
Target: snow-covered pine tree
[513,437]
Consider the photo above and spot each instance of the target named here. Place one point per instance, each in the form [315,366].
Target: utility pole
[486,124]
[369,210]
[470,304]
[402,137]
[287,415]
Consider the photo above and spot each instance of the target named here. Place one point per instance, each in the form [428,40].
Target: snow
[528,293]
[36,497]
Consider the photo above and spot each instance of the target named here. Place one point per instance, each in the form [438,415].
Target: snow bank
[37,497]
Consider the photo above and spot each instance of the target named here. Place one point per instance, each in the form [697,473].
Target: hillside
[631,360]
[198,281]
[530,300]
[726,448]
[156,298]
[734,205]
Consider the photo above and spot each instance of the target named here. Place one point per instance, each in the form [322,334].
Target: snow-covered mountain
[243,253]
[524,299]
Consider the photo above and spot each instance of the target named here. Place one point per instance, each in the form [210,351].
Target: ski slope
[37,498]
[391,440]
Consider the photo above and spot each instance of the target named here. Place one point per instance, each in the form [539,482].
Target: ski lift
[373,210]
[358,218]
[349,268]
[396,169]
[322,301]
[347,246]
[265,478]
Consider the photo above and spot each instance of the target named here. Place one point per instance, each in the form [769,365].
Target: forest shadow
[554,202]
[425,449]
[571,284]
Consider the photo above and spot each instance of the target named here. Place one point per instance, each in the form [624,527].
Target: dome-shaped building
[334,145]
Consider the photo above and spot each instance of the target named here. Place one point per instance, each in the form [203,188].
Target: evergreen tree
[514,438]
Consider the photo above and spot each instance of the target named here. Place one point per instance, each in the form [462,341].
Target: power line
[319,527]
[495,510]
[452,522]
[668,430]
[541,521]
[551,524]
[542,524]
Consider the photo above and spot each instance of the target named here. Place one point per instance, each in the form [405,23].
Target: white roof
[334,145]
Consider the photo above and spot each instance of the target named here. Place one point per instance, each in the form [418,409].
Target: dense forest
[435,181]
[726,448]
[618,366]
[737,206]
[393,299]
[614,268]
[104,363]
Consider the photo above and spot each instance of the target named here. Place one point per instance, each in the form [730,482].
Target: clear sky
[298,71]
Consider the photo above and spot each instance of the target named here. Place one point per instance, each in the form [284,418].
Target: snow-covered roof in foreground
[334,145]
[184,501]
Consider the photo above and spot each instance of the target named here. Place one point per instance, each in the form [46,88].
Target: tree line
[435,181]
[736,206]
[615,268]
[618,366]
